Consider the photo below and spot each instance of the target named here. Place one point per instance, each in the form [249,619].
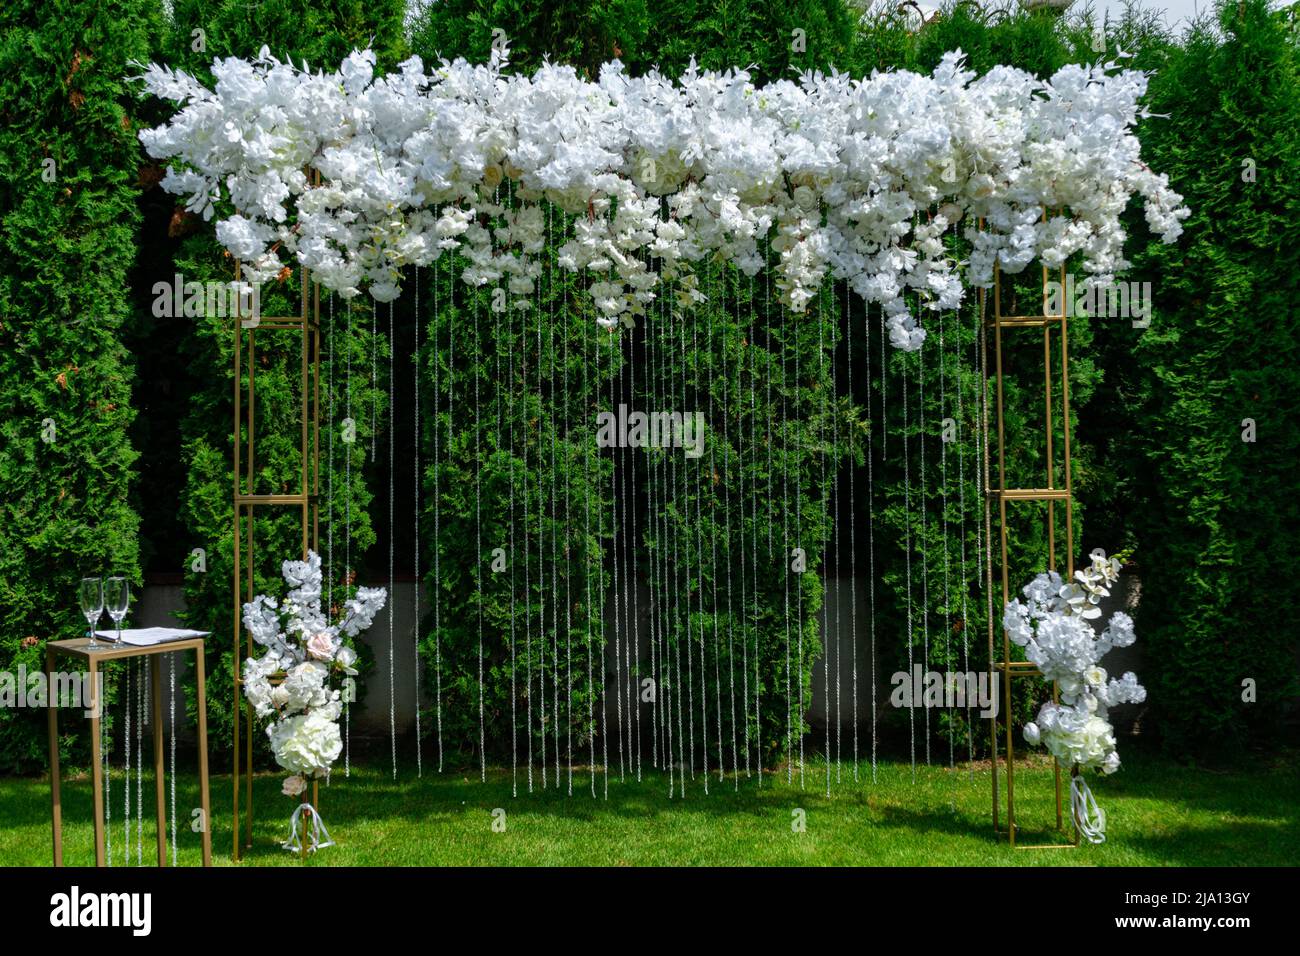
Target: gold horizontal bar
[1030,494]
[1013,672]
[274,499]
[1033,320]
[284,325]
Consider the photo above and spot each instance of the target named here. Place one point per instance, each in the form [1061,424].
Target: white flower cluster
[1054,629]
[358,176]
[291,681]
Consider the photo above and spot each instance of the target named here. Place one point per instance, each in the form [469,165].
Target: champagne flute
[117,595]
[91,594]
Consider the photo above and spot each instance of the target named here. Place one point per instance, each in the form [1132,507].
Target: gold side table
[93,658]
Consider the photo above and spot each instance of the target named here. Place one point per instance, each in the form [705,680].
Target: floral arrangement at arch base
[291,682]
[1054,627]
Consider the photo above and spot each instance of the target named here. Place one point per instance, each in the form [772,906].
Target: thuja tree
[607,599]
[649,538]
[516,517]
[69,224]
[353,386]
[771,38]
[1214,401]
[931,551]
[733,536]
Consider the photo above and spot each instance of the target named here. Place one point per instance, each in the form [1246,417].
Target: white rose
[320,646]
[306,744]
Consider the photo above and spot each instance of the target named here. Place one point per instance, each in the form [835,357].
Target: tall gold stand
[94,658]
[1055,327]
[247,500]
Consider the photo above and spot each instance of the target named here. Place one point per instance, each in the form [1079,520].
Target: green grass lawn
[1159,814]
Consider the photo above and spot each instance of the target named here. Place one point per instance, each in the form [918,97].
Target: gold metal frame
[77,650]
[1050,494]
[247,500]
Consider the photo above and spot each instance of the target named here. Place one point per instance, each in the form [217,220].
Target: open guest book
[149,636]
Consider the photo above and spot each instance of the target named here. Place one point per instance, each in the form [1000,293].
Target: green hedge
[318,33]
[68,207]
[1217,516]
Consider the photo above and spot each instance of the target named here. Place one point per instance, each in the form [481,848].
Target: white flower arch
[855,178]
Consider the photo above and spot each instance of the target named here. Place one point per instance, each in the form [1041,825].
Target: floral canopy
[356,176]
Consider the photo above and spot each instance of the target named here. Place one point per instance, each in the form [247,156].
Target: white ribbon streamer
[312,833]
[1088,817]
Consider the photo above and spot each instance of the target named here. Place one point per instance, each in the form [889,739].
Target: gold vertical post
[247,499]
[237,552]
[1049,494]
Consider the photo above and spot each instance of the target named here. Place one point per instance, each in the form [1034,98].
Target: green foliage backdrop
[1160,465]
[68,159]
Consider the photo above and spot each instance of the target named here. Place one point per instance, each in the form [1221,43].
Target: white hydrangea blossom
[858,179]
[1054,629]
[291,681]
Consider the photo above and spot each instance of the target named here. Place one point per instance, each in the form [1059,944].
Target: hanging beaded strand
[514,687]
[374,381]
[392,529]
[922,539]
[541,557]
[614,548]
[726,534]
[699,572]
[907,545]
[835,525]
[871,530]
[740,530]
[588,366]
[126,750]
[415,510]
[555,589]
[568,517]
[171,683]
[713,552]
[943,481]
[628,488]
[666,688]
[753,495]
[437,512]
[347,539]
[604,639]
[478,532]
[141,702]
[684,511]
[961,508]
[853,526]
[822,310]
[106,740]
[785,542]
[798,526]
[652,533]
[329,470]
[671,383]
